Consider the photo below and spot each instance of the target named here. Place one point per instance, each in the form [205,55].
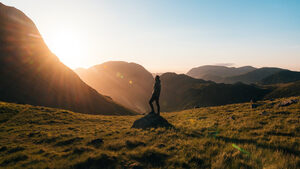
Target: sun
[67,46]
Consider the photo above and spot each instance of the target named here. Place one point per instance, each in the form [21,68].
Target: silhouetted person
[155,95]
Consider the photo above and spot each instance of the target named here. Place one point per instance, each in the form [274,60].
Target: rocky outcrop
[151,121]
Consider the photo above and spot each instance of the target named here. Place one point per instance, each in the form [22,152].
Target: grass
[231,136]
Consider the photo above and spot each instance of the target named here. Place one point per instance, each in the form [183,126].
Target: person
[155,95]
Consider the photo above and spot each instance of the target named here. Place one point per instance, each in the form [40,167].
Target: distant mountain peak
[217,73]
[128,83]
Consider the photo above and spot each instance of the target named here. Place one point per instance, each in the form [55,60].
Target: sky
[169,35]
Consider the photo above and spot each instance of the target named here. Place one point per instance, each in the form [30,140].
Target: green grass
[231,136]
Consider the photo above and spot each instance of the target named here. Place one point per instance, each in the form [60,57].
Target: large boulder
[151,121]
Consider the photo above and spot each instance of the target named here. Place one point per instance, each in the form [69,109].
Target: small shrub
[133,144]
[151,157]
[103,161]
[68,142]
[14,159]
[96,142]
[16,149]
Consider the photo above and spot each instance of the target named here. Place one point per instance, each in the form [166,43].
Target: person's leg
[158,107]
[151,105]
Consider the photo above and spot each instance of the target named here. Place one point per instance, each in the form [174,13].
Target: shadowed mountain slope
[31,74]
[183,92]
[284,90]
[129,84]
[285,76]
[217,73]
[254,76]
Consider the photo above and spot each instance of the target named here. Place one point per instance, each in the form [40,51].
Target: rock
[161,146]
[232,117]
[264,113]
[151,121]
[287,102]
[197,107]
[136,166]
[254,105]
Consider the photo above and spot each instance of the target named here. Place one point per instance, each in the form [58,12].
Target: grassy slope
[40,137]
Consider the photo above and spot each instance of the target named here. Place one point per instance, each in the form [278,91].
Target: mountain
[217,73]
[284,76]
[182,92]
[284,90]
[129,84]
[254,76]
[31,74]
[247,74]
[156,74]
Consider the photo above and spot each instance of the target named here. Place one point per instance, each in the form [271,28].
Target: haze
[169,35]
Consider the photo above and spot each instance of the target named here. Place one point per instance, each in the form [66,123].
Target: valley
[231,136]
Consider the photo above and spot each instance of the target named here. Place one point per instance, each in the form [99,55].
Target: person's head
[157,78]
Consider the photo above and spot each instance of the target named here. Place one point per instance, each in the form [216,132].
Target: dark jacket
[156,89]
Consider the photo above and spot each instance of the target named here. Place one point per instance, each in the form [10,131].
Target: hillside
[231,136]
[285,76]
[246,74]
[182,92]
[217,73]
[284,90]
[31,74]
[129,84]
[254,76]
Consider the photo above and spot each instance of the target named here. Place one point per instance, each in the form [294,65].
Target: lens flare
[240,149]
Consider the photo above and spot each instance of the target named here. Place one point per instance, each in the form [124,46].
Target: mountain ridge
[31,73]
[284,76]
[181,92]
[217,73]
[254,76]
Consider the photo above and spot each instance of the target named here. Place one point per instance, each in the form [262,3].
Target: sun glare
[67,46]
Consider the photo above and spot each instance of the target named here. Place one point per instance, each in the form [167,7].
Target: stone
[264,113]
[287,102]
[151,120]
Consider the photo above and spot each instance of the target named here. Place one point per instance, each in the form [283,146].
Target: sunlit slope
[30,73]
[231,136]
[129,84]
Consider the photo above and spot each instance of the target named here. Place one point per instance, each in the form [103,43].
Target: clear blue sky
[169,35]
